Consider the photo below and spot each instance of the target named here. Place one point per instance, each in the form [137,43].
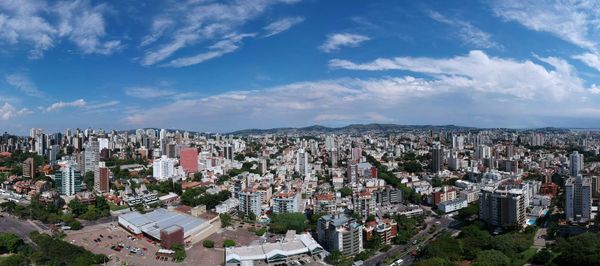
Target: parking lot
[107,238]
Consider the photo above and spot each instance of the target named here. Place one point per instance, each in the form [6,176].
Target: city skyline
[235,65]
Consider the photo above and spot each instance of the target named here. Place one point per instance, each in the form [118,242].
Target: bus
[397,263]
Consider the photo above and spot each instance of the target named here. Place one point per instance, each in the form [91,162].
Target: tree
[88,179]
[225,219]
[281,223]
[491,258]
[345,192]
[77,208]
[435,261]
[90,214]
[208,243]
[10,243]
[228,243]
[543,257]
[179,252]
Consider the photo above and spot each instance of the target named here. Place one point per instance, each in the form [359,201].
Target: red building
[189,160]
[170,236]
[103,179]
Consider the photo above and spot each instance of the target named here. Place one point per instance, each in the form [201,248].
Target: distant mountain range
[350,129]
[356,129]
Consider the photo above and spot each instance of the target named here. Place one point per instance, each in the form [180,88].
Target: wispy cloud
[24,84]
[456,87]
[204,22]
[575,22]
[281,25]
[60,105]
[8,111]
[40,25]
[227,45]
[468,33]
[148,92]
[338,40]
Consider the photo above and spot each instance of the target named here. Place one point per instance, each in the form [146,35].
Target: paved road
[405,250]
[20,227]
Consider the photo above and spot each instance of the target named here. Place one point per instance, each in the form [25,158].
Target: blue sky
[224,65]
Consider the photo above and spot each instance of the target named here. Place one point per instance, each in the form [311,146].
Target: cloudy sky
[225,65]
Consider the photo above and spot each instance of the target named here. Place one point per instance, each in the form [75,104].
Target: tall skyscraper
[29,168]
[163,168]
[578,198]
[575,163]
[68,178]
[189,160]
[91,156]
[228,152]
[302,162]
[102,180]
[437,159]
[503,207]
[340,233]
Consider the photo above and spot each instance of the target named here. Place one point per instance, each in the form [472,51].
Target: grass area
[114,207]
[523,257]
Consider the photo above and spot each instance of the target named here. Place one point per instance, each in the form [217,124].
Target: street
[405,250]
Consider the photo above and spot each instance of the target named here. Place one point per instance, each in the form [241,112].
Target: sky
[219,66]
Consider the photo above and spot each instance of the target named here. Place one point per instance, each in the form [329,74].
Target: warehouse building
[161,222]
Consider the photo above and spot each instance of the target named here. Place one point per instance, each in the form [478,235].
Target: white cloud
[148,92]
[445,91]
[576,22]
[336,41]
[60,105]
[281,25]
[199,22]
[42,26]
[24,84]
[481,73]
[590,59]
[229,44]
[468,33]
[8,111]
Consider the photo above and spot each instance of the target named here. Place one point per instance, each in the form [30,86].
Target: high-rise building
[575,163]
[53,153]
[163,168]
[68,179]
[352,173]
[29,168]
[578,198]
[250,200]
[356,154]
[189,160]
[91,156]
[503,207]
[364,203]
[102,180]
[302,166]
[286,202]
[340,233]
[228,152]
[483,152]
[437,159]
[329,143]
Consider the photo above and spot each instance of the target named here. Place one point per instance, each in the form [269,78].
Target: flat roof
[153,222]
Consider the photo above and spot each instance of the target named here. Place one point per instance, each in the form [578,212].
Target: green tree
[10,243]
[88,180]
[77,208]
[208,243]
[281,223]
[345,192]
[228,243]
[543,257]
[491,258]
[179,252]
[225,219]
